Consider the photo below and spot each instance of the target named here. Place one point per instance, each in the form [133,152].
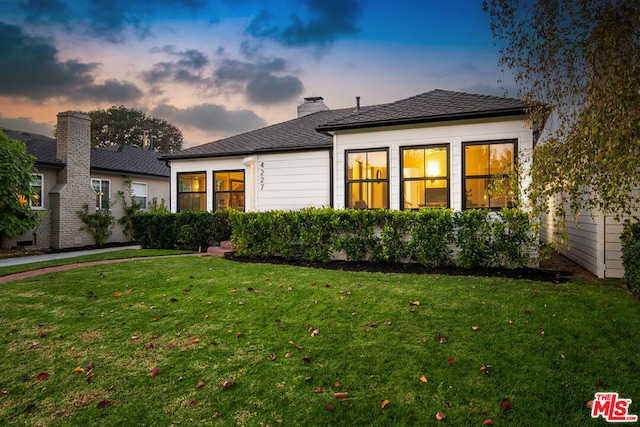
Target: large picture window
[367,179]
[425,177]
[487,166]
[102,187]
[192,191]
[229,190]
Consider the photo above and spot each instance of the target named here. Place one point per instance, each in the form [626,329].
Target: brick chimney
[73,187]
[311,105]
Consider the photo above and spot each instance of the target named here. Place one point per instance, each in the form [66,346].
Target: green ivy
[98,224]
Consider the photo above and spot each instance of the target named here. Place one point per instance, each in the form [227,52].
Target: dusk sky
[215,68]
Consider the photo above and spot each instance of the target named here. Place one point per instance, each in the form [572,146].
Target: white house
[437,149]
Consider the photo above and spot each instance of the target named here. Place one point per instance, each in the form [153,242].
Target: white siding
[593,242]
[291,181]
[400,136]
[285,181]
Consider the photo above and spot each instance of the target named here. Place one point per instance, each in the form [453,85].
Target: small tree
[130,206]
[578,59]
[98,224]
[16,177]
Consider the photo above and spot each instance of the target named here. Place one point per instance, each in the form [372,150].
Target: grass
[202,322]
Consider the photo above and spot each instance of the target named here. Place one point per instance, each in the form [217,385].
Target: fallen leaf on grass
[329,407]
[451,360]
[79,369]
[228,384]
[341,396]
[590,404]
[487,422]
[505,405]
[337,384]
[194,340]
[414,303]
[440,416]
[200,384]
[475,328]
[217,415]
[117,295]
[103,404]
[272,356]
[424,379]
[317,390]
[5,391]
[154,372]
[42,376]
[384,403]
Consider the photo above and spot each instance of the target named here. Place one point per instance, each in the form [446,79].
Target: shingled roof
[122,159]
[435,106]
[297,134]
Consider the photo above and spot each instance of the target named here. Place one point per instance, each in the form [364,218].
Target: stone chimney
[73,187]
[311,105]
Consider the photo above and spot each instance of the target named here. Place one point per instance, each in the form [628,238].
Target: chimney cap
[313,99]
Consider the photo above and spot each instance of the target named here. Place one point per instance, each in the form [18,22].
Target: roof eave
[418,120]
[247,153]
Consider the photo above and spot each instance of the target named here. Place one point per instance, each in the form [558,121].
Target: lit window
[37,185]
[367,180]
[425,177]
[102,188]
[229,190]
[485,165]
[192,191]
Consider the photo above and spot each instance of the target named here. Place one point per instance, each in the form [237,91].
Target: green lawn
[190,340]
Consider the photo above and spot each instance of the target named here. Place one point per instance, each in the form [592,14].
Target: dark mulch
[559,270]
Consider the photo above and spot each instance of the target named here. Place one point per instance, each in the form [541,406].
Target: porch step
[225,248]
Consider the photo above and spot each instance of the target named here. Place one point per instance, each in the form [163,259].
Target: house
[69,173]
[437,149]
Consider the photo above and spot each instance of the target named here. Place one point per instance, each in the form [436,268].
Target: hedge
[193,231]
[631,256]
[431,237]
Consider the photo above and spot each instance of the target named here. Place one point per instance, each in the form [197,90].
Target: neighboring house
[69,173]
[437,149]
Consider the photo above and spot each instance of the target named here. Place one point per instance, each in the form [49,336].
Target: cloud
[105,19]
[324,22]
[269,89]
[45,10]
[26,124]
[259,81]
[210,117]
[186,70]
[29,67]
[112,90]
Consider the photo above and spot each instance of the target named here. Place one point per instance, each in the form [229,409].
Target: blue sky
[218,68]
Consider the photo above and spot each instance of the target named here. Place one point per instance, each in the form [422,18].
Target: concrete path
[60,255]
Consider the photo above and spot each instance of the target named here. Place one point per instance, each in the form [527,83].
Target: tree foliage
[578,64]
[121,125]
[16,169]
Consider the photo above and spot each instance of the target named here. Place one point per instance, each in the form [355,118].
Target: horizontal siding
[293,181]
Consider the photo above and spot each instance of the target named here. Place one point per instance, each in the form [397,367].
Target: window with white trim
[102,187]
[139,193]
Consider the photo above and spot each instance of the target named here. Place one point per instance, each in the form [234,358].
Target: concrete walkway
[60,255]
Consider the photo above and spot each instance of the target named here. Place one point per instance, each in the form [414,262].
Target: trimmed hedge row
[631,256]
[431,237]
[190,231]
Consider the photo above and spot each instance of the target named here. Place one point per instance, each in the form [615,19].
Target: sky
[216,68]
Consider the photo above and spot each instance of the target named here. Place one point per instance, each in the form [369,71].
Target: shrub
[98,224]
[431,234]
[631,256]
